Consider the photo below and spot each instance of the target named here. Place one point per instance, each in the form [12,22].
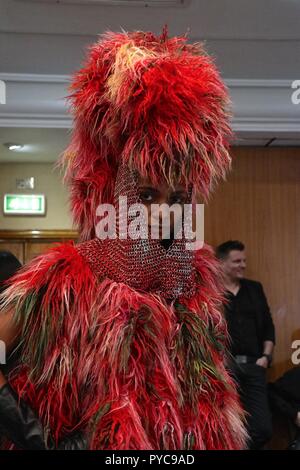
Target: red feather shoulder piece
[132,370]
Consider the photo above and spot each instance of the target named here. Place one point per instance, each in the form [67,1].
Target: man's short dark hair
[224,249]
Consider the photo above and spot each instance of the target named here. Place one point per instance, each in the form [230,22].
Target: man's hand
[262,362]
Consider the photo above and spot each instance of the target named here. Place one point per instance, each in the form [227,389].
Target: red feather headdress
[155,103]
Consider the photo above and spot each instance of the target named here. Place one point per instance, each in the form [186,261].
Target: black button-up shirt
[248,319]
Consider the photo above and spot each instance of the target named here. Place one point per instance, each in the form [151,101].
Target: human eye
[178,198]
[147,195]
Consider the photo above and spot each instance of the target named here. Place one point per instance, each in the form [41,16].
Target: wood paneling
[15,247]
[26,244]
[260,205]
[36,248]
[38,234]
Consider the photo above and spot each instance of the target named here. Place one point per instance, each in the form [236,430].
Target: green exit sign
[26,204]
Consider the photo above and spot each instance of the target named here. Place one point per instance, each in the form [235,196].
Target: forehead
[162,186]
[235,255]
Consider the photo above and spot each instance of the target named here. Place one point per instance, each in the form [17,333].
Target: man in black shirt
[252,335]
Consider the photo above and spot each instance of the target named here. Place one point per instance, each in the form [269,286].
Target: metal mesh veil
[142,263]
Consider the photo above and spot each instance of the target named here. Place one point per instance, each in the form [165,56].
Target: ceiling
[46,145]
[252,40]
[40,145]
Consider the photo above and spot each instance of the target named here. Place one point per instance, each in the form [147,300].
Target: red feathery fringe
[153,102]
[100,356]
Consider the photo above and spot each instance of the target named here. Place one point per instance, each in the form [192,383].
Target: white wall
[48,182]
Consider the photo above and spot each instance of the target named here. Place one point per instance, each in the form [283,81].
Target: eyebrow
[180,191]
[156,191]
[148,188]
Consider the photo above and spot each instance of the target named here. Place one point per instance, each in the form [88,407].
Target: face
[235,264]
[163,194]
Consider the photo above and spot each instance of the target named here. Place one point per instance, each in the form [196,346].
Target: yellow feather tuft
[126,58]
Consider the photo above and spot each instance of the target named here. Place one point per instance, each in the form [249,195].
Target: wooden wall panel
[27,244]
[36,248]
[260,205]
[15,247]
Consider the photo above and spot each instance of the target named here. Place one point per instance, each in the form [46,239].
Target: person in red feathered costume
[123,340]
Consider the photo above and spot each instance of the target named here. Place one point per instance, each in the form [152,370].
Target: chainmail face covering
[141,263]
